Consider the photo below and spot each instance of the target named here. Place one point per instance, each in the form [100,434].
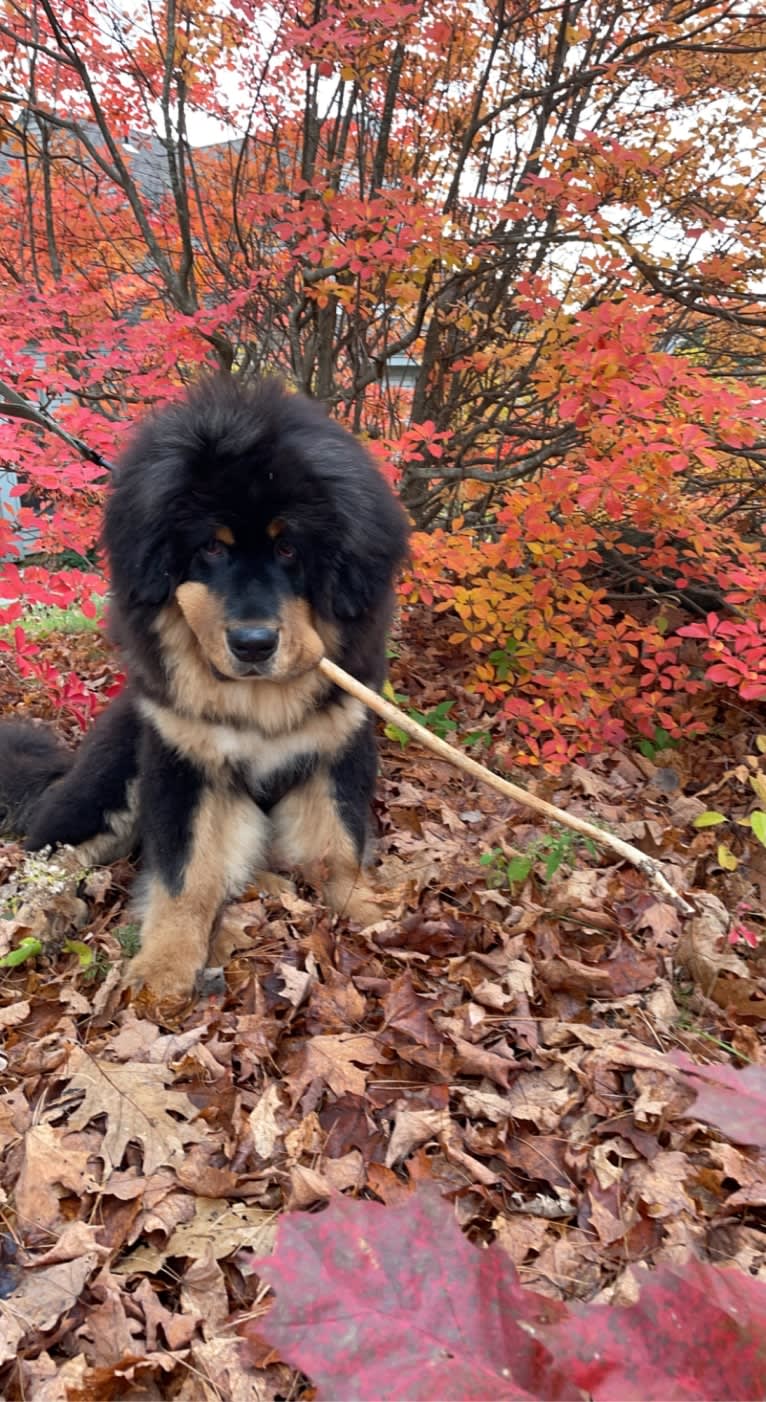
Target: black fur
[30,760]
[227,461]
[232,456]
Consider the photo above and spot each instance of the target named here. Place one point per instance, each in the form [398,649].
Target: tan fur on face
[229,841]
[273,707]
[310,833]
[203,612]
[225,536]
[300,646]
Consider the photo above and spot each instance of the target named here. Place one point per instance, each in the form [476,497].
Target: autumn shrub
[571,632]
[520,250]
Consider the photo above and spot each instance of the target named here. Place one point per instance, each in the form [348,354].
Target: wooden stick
[392,714]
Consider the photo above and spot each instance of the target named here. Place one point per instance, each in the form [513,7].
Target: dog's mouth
[257,673]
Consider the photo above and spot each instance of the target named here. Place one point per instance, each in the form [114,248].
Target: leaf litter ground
[578,1078]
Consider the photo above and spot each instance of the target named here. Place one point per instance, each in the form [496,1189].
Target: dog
[248,535]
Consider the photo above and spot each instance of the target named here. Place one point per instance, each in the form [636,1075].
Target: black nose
[253,644]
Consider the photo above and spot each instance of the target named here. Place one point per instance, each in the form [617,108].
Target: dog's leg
[202,838]
[322,827]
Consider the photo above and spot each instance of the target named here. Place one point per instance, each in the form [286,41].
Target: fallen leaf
[336,1061]
[219,1373]
[14,1014]
[51,1166]
[485,1104]
[139,1109]
[264,1121]
[413,1128]
[383,1303]
[203,1293]
[387,1303]
[541,1098]
[218,1225]
[732,1100]
[695,1333]
[40,1300]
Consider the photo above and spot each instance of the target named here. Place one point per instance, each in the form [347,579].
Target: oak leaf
[218,1226]
[40,1300]
[139,1109]
[337,1061]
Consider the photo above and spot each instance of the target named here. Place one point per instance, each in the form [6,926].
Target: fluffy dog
[248,536]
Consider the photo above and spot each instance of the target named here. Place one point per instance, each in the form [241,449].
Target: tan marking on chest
[214,745]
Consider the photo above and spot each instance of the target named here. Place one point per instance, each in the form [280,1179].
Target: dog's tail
[31,758]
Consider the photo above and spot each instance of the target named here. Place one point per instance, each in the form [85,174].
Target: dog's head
[260,519]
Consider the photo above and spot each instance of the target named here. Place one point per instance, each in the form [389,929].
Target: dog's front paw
[156,981]
[356,902]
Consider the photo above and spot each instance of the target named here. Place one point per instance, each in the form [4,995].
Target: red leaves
[736,648]
[695,1333]
[376,1302]
[734,1101]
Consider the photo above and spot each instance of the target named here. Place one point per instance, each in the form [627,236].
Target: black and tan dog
[248,535]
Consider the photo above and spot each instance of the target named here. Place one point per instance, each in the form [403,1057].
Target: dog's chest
[258,757]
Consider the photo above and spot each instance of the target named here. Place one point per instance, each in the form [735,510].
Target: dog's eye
[214,549]
[285,551]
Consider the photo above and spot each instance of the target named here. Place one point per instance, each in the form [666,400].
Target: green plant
[43,621]
[129,939]
[505,659]
[660,741]
[98,968]
[555,849]
[438,720]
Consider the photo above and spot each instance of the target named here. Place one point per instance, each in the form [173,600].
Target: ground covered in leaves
[527,1050]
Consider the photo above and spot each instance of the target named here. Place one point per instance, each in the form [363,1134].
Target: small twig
[14,406]
[390,713]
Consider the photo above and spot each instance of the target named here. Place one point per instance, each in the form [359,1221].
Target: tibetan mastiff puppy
[248,536]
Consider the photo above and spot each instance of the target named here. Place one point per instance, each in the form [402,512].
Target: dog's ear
[141,553]
[372,546]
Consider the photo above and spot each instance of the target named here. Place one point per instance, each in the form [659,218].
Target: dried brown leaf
[542,1097]
[337,1061]
[138,1106]
[413,1128]
[266,1121]
[40,1299]
[52,1164]
[217,1225]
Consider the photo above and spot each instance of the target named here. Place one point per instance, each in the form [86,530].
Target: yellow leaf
[758,782]
[760,743]
[709,819]
[726,858]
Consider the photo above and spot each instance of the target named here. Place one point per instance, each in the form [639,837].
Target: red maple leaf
[394,1302]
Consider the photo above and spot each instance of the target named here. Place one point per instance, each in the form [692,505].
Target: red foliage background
[520,251]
